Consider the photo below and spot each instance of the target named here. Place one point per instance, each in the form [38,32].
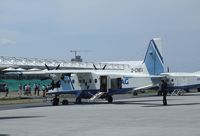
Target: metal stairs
[96,96]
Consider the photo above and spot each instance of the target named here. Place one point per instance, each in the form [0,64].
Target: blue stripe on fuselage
[89,93]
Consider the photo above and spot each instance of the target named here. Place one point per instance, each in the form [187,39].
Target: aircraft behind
[182,82]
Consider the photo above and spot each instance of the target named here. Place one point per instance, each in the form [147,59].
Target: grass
[18,100]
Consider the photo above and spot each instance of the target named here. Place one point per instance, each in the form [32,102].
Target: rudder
[153,59]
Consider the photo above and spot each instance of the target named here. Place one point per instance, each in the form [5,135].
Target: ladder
[96,96]
[178,92]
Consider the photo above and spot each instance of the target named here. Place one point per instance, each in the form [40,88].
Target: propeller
[95,67]
[47,67]
[58,67]
[101,68]
[104,67]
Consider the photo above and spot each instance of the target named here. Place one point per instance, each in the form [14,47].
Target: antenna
[77,57]
[76,51]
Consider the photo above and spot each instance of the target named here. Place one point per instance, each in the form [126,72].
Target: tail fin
[153,58]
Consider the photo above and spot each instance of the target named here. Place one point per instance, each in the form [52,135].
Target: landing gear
[78,100]
[135,93]
[109,99]
[55,101]
[65,102]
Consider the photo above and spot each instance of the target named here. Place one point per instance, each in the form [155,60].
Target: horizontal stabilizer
[146,87]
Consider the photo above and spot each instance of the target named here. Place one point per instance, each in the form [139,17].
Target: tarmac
[140,116]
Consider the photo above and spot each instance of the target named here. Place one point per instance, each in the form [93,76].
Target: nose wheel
[65,102]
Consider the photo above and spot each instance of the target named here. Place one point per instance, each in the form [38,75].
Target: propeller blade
[94,67]
[58,67]
[47,66]
[104,67]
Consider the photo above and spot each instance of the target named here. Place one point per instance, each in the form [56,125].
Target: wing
[56,72]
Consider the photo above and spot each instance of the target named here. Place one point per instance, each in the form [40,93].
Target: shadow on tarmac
[19,117]
[144,104]
[183,104]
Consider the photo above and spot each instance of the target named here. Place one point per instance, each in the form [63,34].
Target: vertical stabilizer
[154,57]
[158,43]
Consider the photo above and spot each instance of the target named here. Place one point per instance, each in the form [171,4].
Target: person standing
[44,90]
[29,90]
[20,90]
[7,90]
[38,89]
[35,88]
[163,89]
[26,89]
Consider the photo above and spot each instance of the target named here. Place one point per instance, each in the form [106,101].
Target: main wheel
[110,99]
[135,93]
[78,100]
[65,102]
[55,101]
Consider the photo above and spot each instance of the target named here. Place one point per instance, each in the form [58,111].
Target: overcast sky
[110,29]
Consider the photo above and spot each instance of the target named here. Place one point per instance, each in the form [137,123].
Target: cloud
[6,41]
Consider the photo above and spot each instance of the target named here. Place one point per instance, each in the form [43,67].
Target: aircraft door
[116,83]
[119,83]
[103,83]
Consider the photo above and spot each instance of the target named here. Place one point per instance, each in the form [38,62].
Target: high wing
[83,71]
[44,72]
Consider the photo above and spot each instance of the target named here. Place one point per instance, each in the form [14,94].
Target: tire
[78,100]
[110,99]
[55,102]
[65,102]
[135,93]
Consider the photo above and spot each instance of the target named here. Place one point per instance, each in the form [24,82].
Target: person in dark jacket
[163,89]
